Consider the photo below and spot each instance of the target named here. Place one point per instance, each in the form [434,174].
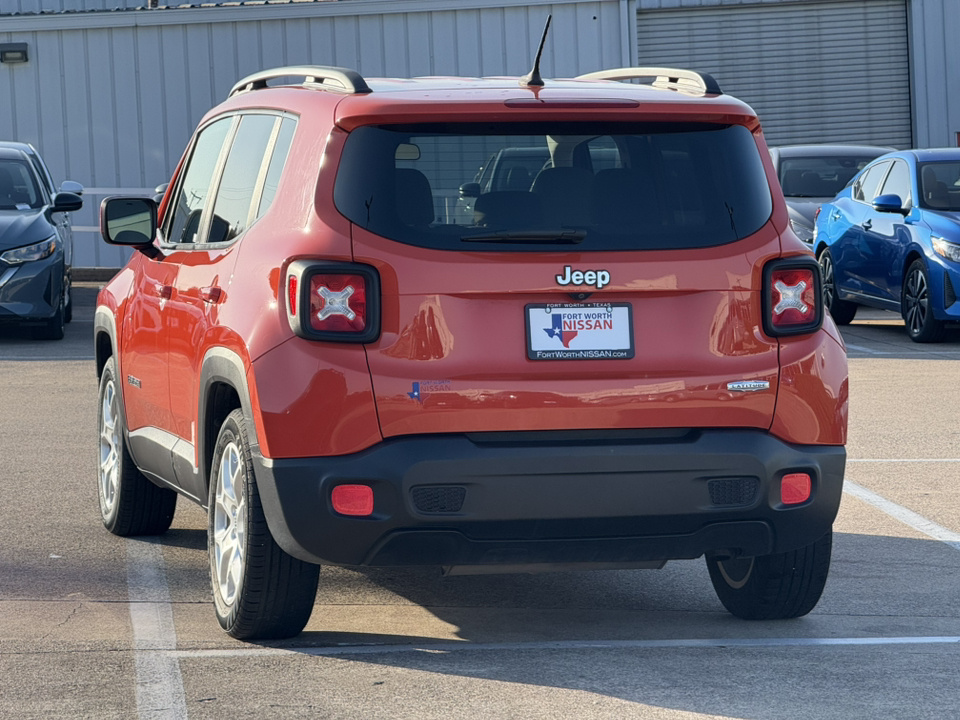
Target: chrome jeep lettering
[597,278]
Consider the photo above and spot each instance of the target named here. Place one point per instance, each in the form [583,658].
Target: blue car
[891,240]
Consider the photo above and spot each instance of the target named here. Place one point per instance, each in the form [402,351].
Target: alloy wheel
[109,449]
[229,524]
[917,302]
[826,266]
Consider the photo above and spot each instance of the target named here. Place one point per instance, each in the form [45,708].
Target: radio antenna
[533,78]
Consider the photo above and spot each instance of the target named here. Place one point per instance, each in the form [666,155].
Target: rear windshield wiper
[530,236]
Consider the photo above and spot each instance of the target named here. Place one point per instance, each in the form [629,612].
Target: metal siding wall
[815,72]
[935,65]
[111,99]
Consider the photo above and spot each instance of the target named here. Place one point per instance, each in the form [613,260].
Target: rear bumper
[554,498]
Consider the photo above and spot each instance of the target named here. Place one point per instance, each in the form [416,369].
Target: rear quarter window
[616,186]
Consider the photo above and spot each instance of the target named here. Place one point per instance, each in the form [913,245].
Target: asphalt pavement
[95,626]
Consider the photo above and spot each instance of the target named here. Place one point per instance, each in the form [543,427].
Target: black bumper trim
[618,501]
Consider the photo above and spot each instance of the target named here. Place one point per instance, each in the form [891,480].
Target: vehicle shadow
[587,632]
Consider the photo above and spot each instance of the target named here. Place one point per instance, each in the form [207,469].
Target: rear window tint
[612,186]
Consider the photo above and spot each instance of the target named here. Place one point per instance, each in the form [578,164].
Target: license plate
[579,331]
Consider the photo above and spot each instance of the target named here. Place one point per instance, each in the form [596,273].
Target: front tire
[916,307]
[129,503]
[53,329]
[773,587]
[841,311]
[259,591]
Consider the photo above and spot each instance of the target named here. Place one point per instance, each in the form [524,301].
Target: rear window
[599,186]
[819,176]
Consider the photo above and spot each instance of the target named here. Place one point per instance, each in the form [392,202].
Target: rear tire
[841,311]
[773,587]
[259,591]
[129,503]
[915,306]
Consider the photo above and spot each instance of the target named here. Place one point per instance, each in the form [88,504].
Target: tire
[54,327]
[841,311]
[773,587]
[68,307]
[915,306]
[259,591]
[129,503]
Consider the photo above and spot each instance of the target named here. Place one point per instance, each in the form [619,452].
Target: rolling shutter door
[822,72]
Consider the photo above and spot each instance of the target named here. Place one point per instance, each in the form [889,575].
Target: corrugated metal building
[110,96]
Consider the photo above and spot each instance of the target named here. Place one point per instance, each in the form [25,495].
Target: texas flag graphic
[557,331]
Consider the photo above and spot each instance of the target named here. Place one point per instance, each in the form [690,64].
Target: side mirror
[159,192]
[129,221]
[470,190]
[69,186]
[889,204]
[66,202]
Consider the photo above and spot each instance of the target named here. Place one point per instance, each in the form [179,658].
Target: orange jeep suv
[616,357]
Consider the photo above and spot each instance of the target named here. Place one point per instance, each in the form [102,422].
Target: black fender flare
[221,365]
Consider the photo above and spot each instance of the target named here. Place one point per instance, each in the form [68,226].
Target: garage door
[818,72]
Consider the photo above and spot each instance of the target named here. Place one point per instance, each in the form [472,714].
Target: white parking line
[903,460]
[860,348]
[448,647]
[908,517]
[160,694]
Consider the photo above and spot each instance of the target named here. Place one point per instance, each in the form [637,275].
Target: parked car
[891,240]
[812,174]
[607,369]
[36,242]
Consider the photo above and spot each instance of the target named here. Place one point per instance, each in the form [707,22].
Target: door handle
[211,294]
[164,291]
[867,224]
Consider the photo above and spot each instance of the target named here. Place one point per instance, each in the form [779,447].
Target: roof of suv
[433,95]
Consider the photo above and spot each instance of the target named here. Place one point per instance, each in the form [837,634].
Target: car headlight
[30,252]
[948,250]
[804,232]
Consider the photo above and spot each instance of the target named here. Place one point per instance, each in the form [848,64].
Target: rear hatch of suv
[618,286]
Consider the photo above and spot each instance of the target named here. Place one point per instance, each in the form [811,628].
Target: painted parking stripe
[908,517]
[903,460]
[682,643]
[860,348]
[160,694]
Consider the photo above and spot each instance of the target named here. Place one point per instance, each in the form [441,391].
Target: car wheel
[68,306]
[129,503]
[259,591]
[841,311]
[53,328]
[922,326]
[773,587]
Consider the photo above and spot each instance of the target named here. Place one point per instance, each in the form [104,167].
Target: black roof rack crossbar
[673,78]
[344,80]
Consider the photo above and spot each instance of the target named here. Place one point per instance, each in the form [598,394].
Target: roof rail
[673,78]
[348,81]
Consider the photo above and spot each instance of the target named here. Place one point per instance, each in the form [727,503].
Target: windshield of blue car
[599,185]
[18,190]
[818,176]
[940,185]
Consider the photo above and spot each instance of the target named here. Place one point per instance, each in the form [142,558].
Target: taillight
[793,297]
[338,303]
[334,302]
[292,294]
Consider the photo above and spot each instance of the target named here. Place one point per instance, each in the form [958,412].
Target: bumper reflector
[354,500]
[795,488]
